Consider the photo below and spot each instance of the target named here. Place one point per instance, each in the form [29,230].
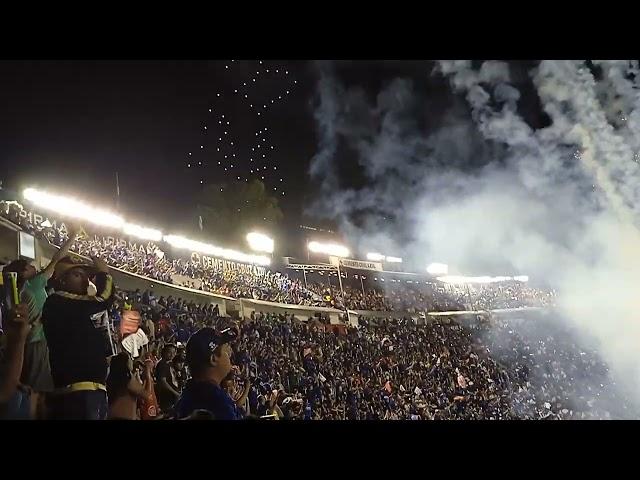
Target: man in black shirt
[167,383]
[180,370]
[77,348]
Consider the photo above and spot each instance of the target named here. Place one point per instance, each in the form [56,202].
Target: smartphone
[10,280]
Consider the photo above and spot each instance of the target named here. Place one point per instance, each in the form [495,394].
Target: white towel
[132,343]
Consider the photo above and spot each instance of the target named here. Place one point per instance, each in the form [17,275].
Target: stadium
[463,298]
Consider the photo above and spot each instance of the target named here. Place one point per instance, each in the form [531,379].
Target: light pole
[117,193]
[340,281]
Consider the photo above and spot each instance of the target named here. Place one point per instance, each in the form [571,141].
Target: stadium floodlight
[378,257]
[521,278]
[329,249]
[500,279]
[483,279]
[394,260]
[73,208]
[457,279]
[178,241]
[142,232]
[438,269]
[260,242]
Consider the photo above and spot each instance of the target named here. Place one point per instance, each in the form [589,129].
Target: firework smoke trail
[569,85]
[561,85]
[529,206]
[599,279]
[620,97]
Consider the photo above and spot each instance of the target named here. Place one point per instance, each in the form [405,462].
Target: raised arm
[136,388]
[105,290]
[148,376]
[241,402]
[61,253]
[104,281]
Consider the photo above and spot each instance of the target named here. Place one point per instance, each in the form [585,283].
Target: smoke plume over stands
[475,186]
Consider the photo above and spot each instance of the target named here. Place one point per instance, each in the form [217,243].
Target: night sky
[69,126]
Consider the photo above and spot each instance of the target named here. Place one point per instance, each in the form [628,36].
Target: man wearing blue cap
[209,359]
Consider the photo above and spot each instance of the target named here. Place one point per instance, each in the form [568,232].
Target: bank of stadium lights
[329,249]
[457,279]
[260,242]
[142,232]
[438,269]
[378,257]
[73,208]
[207,249]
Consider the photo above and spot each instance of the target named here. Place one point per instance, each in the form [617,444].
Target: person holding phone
[231,385]
[36,371]
[17,401]
[125,388]
[13,404]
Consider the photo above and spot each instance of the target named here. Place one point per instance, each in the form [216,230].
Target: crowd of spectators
[414,296]
[265,284]
[396,369]
[148,262]
[260,285]
[289,368]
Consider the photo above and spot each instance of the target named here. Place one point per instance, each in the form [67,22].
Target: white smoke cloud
[558,203]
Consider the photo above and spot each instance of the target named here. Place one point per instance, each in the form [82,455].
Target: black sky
[70,125]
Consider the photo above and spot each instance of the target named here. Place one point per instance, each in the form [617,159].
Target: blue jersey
[182,335]
[198,395]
